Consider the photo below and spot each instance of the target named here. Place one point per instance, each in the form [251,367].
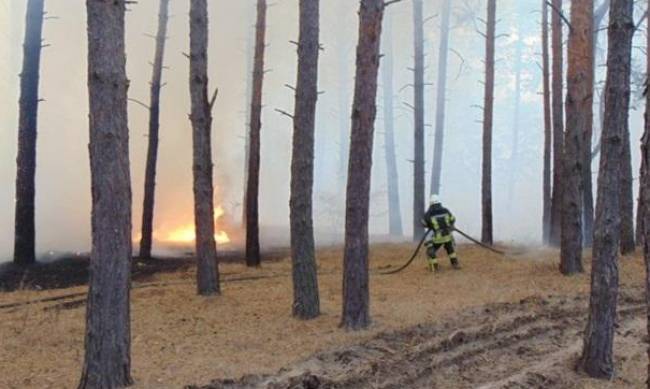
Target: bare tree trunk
[252,188]
[548,134]
[644,196]
[588,202]
[107,360]
[597,358]
[154,126]
[25,230]
[394,211]
[641,210]
[356,296]
[207,273]
[418,115]
[515,127]
[441,94]
[558,122]
[250,51]
[488,111]
[628,244]
[579,106]
[306,303]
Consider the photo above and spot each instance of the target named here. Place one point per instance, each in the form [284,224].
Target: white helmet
[435,199]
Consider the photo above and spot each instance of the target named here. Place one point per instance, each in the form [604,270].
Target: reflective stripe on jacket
[441,221]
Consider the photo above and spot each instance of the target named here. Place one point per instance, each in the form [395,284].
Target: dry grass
[179,338]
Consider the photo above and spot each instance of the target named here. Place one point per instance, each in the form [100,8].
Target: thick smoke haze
[63,176]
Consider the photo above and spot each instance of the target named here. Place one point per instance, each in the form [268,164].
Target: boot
[455,264]
[433,266]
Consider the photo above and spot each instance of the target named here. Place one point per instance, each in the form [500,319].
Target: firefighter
[441,223]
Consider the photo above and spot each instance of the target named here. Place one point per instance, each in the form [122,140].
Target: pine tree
[306,304]
[597,359]
[25,229]
[154,126]
[107,358]
[207,274]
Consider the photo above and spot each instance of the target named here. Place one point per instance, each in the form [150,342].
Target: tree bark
[343,98]
[628,244]
[418,116]
[306,304]
[207,273]
[644,196]
[107,361]
[488,111]
[154,125]
[588,202]
[558,122]
[548,134]
[597,358]
[250,52]
[441,95]
[356,295]
[252,187]
[392,178]
[579,115]
[25,229]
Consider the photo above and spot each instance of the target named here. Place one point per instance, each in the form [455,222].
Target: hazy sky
[63,191]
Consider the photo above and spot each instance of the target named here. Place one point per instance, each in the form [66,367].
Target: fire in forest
[184,233]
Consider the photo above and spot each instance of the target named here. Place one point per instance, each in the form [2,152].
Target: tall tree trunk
[392,178]
[488,111]
[515,127]
[579,115]
[644,196]
[356,296]
[154,125]
[344,110]
[207,273]
[597,358]
[252,187]
[588,202]
[548,134]
[441,94]
[418,115]
[306,304]
[558,122]
[641,207]
[628,244]
[250,52]
[107,360]
[24,233]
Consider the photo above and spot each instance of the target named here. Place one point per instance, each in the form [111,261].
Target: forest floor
[501,322]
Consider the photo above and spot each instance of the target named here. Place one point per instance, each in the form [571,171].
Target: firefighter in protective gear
[441,223]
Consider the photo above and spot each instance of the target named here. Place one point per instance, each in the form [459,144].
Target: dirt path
[532,344]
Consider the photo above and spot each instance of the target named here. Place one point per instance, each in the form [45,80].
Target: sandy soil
[500,322]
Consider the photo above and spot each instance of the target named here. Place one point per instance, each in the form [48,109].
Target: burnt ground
[531,344]
[70,271]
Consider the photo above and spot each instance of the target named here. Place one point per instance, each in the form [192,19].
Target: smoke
[63,185]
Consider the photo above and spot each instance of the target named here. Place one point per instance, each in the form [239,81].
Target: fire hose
[424,237]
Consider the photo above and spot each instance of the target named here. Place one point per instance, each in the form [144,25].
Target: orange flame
[187,234]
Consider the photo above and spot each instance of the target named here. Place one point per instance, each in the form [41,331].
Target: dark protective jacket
[441,221]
